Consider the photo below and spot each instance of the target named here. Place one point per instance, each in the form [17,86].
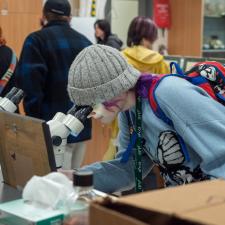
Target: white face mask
[101,113]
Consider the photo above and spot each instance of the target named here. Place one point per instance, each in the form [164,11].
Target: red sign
[162,13]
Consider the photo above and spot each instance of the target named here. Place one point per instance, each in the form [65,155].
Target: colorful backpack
[208,75]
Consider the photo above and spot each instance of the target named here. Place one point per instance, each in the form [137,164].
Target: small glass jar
[83,194]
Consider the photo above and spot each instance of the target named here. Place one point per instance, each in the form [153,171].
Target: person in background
[184,150]
[104,36]
[142,33]
[42,72]
[163,50]
[8,62]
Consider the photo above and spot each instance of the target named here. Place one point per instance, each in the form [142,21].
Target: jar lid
[82,178]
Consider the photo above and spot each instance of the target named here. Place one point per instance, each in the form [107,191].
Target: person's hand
[72,221]
[68,173]
[81,219]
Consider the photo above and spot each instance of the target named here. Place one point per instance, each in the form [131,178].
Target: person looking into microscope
[42,72]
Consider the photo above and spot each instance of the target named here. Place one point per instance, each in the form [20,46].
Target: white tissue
[53,190]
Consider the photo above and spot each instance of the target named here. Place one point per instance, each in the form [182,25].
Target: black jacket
[5,61]
[112,41]
[42,71]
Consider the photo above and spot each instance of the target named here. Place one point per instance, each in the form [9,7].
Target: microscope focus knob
[56,140]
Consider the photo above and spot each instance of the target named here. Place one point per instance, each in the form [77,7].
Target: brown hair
[105,27]
[2,40]
[141,27]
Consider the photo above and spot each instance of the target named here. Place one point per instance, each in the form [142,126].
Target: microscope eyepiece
[11,100]
[83,112]
[80,112]
[16,98]
[73,110]
[12,92]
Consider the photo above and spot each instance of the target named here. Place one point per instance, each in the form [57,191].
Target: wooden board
[25,148]
[99,142]
[185,33]
[23,18]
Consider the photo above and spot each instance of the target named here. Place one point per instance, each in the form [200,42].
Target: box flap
[100,215]
[192,201]
[213,215]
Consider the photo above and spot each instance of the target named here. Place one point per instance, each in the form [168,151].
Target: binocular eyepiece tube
[15,95]
[80,112]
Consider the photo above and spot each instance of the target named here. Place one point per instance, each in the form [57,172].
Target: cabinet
[214,32]
[185,34]
[23,17]
[194,22]
[97,146]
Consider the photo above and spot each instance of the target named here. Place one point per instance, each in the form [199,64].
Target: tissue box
[19,213]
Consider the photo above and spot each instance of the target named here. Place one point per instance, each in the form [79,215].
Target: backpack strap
[152,98]
[159,112]
[143,84]
[133,139]
[8,74]
[177,68]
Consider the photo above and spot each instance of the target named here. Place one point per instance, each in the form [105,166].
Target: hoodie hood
[112,41]
[114,38]
[143,58]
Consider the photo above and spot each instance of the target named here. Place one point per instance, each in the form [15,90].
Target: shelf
[215,17]
[213,50]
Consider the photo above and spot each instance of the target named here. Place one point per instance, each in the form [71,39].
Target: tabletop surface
[7,193]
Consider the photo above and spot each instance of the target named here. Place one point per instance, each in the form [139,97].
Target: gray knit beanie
[99,73]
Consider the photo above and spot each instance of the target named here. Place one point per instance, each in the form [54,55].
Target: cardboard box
[193,204]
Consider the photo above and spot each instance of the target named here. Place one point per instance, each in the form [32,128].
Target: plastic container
[84,193]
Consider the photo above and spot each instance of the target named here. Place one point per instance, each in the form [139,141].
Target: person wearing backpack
[188,146]
[8,62]
[141,35]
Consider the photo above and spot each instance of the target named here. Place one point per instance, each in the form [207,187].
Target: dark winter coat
[42,71]
[5,61]
[112,41]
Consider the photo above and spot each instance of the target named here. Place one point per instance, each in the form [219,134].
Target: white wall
[122,12]
[84,25]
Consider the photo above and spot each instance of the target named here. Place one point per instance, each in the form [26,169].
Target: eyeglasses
[111,103]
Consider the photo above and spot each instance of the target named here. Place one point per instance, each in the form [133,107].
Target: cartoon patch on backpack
[214,73]
[171,159]
[169,150]
[207,71]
